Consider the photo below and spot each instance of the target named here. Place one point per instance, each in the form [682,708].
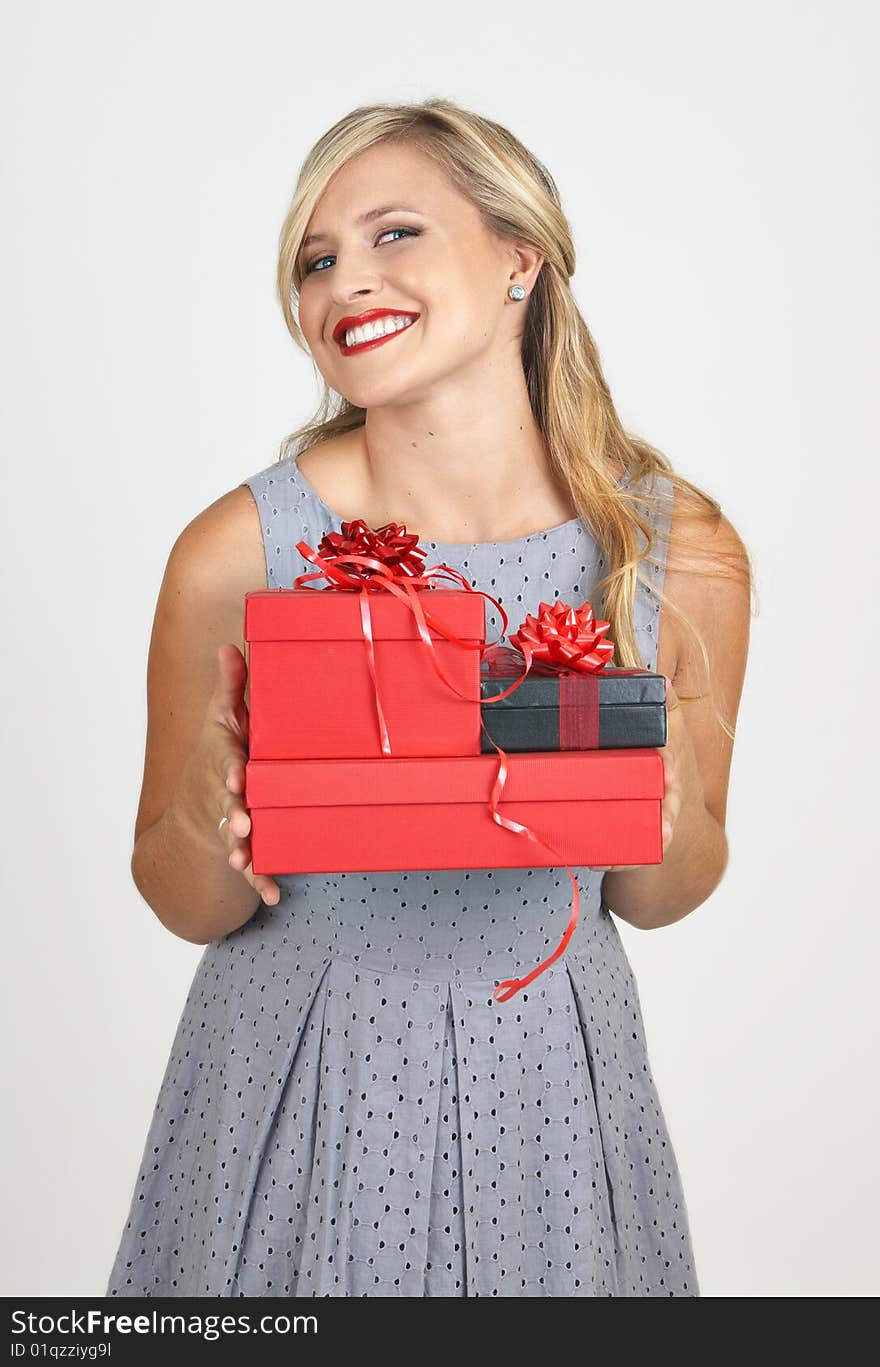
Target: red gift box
[360,815]
[311,693]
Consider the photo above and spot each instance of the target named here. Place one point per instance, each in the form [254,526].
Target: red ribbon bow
[388,550]
[386,559]
[562,637]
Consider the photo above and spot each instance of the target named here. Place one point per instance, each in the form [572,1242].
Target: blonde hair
[517,199]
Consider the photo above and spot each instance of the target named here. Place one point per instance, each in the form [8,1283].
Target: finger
[231,758]
[235,775]
[672,700]
[237,826]
[238,840]
[242,720]
[235,832]
[233,807]
[670,811]
[266,887]
[671,804]
[231,675]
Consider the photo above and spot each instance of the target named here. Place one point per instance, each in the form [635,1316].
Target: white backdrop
[717,164]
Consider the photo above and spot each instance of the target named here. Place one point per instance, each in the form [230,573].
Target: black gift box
[616,709]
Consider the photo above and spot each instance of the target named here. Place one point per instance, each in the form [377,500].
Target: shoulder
[702,539]
[708,575]
[708,581]
[219,553]
[227,531]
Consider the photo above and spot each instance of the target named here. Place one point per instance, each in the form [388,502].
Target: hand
[678,742]
[224,756]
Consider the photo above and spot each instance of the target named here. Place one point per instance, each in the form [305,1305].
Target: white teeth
[380,328]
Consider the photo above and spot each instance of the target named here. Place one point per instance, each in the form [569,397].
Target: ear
[526,262]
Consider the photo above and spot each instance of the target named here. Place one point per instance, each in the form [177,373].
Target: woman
[346,1109]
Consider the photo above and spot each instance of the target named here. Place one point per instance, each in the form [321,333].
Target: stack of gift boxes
[375,743]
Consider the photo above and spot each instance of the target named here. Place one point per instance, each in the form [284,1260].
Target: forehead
[390,173]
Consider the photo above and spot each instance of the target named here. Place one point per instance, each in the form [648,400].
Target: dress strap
[290,511]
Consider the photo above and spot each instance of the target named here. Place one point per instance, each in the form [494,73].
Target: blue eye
[314,265]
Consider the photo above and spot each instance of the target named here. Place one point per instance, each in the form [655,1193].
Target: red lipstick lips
[346,323]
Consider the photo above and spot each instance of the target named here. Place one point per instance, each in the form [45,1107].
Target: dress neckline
[451,545]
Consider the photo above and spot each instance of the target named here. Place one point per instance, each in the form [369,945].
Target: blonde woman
[346,1110]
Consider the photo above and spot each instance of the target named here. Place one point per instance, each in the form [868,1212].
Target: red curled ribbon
[510,986]
[559,639]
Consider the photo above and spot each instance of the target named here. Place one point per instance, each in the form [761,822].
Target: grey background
[718,167]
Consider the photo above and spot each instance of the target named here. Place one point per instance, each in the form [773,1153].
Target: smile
[374,333]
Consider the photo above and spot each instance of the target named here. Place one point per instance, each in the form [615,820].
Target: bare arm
[181,869]
[197,730]
[709,577]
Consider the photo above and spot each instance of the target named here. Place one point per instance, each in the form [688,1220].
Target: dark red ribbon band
[577,696]
[578,711]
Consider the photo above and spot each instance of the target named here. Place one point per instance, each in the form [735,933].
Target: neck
[461,469]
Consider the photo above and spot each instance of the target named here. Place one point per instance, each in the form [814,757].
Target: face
[428,260]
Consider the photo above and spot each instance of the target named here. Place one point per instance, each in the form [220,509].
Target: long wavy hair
[611,474]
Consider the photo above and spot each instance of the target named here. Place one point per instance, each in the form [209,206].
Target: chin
[376,394]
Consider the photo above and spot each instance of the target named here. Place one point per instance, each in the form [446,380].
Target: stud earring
[517,292]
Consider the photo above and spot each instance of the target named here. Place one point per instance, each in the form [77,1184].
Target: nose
[353,276]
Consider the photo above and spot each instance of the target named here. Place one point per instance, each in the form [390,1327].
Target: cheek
[309,319]
[470,311]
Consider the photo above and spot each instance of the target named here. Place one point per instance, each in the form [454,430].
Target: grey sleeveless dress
[347,1112]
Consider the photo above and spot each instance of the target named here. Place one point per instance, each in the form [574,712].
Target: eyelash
[409,232]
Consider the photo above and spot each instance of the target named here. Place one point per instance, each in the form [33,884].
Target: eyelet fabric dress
[346,1111]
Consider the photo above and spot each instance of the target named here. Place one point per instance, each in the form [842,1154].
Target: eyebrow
[364,218]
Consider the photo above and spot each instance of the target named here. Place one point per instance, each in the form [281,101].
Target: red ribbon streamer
[510,986]
[567,641]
